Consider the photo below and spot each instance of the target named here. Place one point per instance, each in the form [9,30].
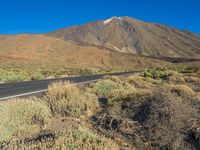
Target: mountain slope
[44,50]
[129,35]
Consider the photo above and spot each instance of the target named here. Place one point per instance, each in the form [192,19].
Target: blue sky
[40,16]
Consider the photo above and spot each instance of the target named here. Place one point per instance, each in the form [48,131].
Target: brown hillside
[41,49]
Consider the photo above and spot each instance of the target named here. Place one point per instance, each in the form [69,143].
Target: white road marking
[41,91]
[25,94]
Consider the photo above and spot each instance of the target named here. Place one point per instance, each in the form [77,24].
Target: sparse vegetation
[158,107]
[151,111]
[24,120]
[15,73]
[67,100]
[83,138]
[71,139]
[22,117]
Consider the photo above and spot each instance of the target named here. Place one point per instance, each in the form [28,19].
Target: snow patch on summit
[111,19]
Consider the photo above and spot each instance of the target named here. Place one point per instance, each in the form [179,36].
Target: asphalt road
[12,90]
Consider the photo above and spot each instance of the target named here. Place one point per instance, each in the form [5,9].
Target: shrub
[107,87]
[197,96]
[13,75]
[104,87]
[114,79]
[159,74]
[71,139]
[177,79]
[191,79]
[182,91]
[22,116]
[189,69]
[66,99]
[149,74]
[37,76]
[141,82]
[83,138]
[117,93]
[90,71]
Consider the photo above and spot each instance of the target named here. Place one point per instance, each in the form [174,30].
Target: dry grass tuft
[191,79]
[183,91]
[177,79]
[141,82]
[197,96]
[66,99]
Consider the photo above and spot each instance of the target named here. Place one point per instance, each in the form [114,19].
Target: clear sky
[40,16]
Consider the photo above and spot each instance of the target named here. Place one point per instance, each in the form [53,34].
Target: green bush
[37,76]
[110,87]
[13,75]
[159,74]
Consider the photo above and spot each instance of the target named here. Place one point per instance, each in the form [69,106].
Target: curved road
[12,90]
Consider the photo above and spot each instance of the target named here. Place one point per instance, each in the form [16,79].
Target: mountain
[45,50]
[127,35]
[118,42]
